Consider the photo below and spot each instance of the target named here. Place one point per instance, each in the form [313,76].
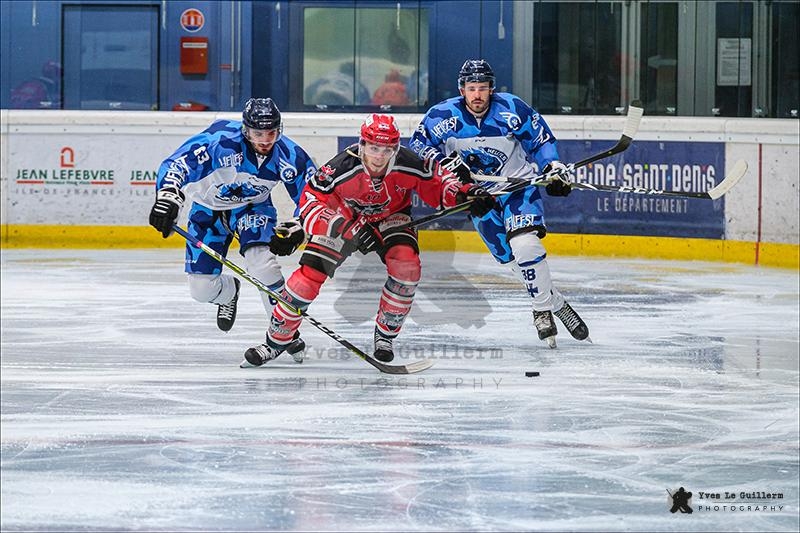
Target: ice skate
[297,348]
[576,326]
[383,347]
[258,355]
[546,327]
[226,313]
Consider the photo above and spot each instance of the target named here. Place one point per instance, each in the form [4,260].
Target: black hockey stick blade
[632,121]
[411,368]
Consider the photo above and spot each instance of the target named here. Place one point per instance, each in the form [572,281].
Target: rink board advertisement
[85,180]
[673,166]
[668,166]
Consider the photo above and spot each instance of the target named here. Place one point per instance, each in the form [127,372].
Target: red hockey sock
[301,289]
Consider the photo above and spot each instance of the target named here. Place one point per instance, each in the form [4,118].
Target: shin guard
[301,289]
[261,264]
[403,267]
[534,272]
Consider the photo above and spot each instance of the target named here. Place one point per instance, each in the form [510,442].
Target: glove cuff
[171,194]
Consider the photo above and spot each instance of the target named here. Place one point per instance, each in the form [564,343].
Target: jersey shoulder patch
[340,168]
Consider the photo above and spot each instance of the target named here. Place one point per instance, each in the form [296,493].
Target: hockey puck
[531,374]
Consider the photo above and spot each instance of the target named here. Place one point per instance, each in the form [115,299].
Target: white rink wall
[118,152]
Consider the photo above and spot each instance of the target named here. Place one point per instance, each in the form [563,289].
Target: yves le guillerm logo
[753,501]
[680,500]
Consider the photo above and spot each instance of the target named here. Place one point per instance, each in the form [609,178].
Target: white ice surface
[123,406]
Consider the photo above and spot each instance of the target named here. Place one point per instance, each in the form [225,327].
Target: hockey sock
[261,264]
[301,289]
[212,288]
[403,267]
[533,270]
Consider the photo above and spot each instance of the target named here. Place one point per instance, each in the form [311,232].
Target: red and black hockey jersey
[342,189]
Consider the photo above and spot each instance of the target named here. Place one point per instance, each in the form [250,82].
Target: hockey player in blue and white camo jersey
[228,171]
[491,133]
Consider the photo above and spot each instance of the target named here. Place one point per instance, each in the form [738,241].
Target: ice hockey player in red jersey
[355,202]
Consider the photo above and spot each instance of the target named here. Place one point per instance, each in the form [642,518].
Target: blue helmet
[261,114]
[475,70]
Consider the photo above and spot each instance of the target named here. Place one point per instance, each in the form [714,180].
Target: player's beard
[262,148]
[479,108]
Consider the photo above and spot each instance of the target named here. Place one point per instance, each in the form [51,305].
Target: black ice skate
[546,327]
[226,313]
[576,326]
[258,355]
[383,347]
[297,348]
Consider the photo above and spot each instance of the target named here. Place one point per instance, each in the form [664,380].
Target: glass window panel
[328,63]
[785,66]
[34,63]
[733,95]
[110,57]
[365,56]
[577,57]
[388,55]
[659,58]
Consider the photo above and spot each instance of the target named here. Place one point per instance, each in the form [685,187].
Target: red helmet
[380,129]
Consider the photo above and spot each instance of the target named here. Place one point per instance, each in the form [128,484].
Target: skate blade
[551,342]
[246,364]
[589,340]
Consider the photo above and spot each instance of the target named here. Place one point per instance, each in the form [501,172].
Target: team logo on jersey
[512,120]
[444,126]
[367,209]
[239,192]
[324,172]
[287,171]
[485,160]
[252,222]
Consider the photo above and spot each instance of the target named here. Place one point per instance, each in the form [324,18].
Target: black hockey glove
[456,166]
[288,236]
[482,201]
[560,185]
[164,212]
[364,236]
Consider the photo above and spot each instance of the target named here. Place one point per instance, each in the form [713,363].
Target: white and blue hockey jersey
[217,169]
[510,136]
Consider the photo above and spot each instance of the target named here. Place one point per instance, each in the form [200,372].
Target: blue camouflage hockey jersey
[509,136]
[216,168]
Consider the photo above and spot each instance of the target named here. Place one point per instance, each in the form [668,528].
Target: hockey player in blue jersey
[228,171]
[486,132]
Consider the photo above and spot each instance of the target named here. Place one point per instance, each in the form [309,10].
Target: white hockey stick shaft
[733,176]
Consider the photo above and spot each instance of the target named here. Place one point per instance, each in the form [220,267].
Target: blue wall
[270,42]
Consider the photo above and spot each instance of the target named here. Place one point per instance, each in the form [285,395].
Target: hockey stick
[731,179]
[632,121]
[411,368]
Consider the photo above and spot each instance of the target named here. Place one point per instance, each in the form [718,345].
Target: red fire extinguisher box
[194,55]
